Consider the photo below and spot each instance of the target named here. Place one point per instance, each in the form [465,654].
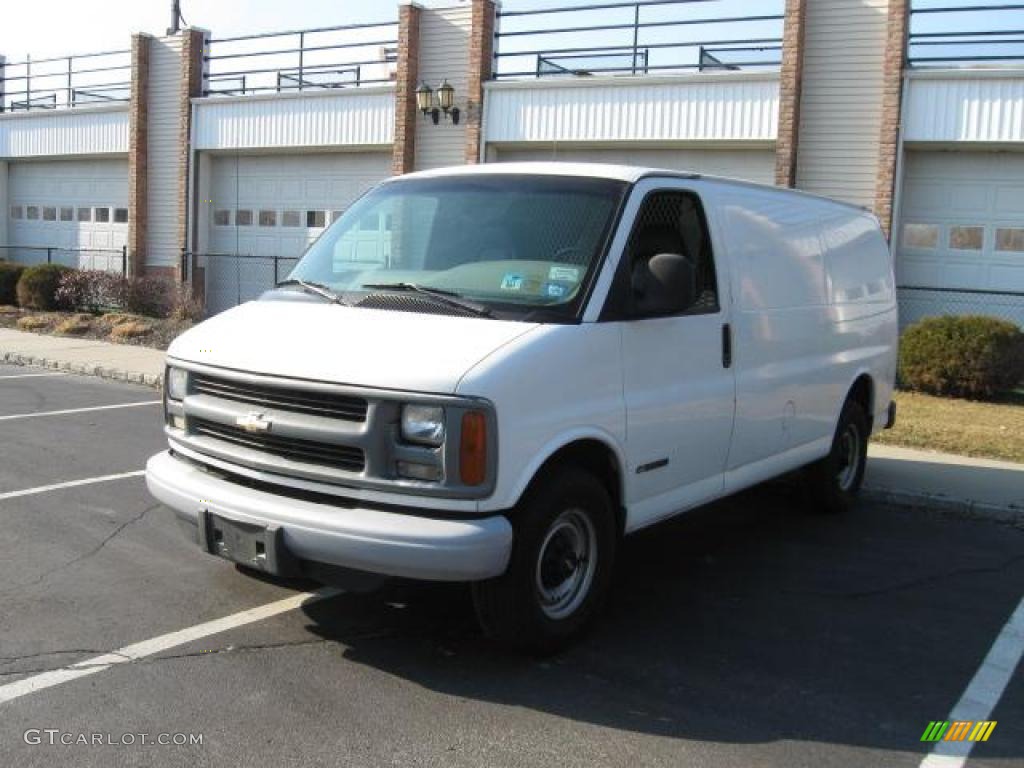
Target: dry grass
[76,325]
[990,430]
[9,309]
[131,329]
[35,322]
[112,319]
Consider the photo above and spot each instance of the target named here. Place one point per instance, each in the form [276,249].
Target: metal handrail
[632,43]
[965,47]
[40,89]
[274,70]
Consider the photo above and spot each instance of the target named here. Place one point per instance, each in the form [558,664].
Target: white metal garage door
[748,164]
[271,207]
[962,235]
[78,205]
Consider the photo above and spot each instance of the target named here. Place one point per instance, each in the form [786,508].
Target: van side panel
[862,307]
[785,384]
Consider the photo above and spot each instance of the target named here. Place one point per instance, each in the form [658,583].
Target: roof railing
[65,81]
[317,59]
[965,35]
[636,38]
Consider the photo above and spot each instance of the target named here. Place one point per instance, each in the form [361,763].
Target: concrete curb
[939,503]
[87,369]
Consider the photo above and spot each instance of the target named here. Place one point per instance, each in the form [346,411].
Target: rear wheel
[834,482]
[561,565]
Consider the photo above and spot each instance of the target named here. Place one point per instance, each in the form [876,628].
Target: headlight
[423,424]
[177,383]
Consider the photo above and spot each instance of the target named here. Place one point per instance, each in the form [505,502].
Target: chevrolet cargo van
[493,374]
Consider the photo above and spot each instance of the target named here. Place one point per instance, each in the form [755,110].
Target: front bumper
[391,543]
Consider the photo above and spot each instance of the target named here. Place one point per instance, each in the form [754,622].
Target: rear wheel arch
[862,392]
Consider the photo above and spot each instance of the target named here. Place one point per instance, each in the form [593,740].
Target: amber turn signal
[473,448]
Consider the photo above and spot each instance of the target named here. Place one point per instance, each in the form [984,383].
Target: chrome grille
[306,451]
[327,404]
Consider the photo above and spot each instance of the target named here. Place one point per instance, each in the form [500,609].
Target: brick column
[481,65]
[790,82]
[403,153]
[138,154]
[892,94]
[192,49]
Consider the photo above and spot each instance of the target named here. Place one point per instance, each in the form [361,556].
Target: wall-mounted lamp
[445,103]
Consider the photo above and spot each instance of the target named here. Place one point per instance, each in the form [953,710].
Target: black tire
[561,510]
[832,484]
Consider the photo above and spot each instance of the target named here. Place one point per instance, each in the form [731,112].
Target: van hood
[346,345]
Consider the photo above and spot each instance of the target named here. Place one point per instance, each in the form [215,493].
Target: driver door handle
[726,345]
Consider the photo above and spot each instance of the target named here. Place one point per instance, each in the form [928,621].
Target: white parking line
[78,410]
[69,484]
[31,375]
[146,648]
[983,692]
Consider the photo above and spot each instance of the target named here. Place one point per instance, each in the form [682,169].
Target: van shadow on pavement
[748,621]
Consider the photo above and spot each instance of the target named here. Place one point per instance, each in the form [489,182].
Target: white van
[493,373]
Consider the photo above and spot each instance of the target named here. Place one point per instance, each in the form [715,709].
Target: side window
[671,222]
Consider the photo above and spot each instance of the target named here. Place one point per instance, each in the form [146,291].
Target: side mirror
[664,284]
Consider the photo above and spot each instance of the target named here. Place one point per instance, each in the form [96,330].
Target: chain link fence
[916,303]
[106,259]
[232,279]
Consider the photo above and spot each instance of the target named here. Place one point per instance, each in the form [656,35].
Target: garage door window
[85,214]
[291,219]
[316,219]
[49,213]
[67,214]
[1010,239]
[966,238]
[121,215]
[17,212]
[268,218]
[103,215]
[243,218]
[32,212]
[920,235]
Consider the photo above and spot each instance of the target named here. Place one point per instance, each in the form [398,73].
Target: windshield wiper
[319,289]
[451,298]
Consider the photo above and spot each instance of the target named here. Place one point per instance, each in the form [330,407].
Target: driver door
[679,388]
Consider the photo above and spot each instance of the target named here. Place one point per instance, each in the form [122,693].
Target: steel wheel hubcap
[566,564]
[849,457]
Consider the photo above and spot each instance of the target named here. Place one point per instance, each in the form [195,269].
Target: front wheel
[561,565]
[834,481]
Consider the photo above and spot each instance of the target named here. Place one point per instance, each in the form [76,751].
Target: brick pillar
[892,94]
[481,65]
[192,50]
[790,82]
[138,154]
[403,153]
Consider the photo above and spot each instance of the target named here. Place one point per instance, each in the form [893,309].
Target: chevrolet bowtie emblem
[253,421]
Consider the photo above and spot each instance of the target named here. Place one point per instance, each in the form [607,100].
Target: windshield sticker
[555,290]
[571,274]
[512,282]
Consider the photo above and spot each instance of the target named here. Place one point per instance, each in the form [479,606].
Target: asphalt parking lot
[748,633]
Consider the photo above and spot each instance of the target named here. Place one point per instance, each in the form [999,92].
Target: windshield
[511,242]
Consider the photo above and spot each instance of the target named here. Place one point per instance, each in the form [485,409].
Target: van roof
[627,173]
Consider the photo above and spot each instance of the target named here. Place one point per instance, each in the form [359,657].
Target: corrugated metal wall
[164,128]
[976,105]
[358,116]
[79,131]
[444,53]
[841,102]
[715,107]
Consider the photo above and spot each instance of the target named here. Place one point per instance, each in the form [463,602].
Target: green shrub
[9,275]
[967,356]
[37,287]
